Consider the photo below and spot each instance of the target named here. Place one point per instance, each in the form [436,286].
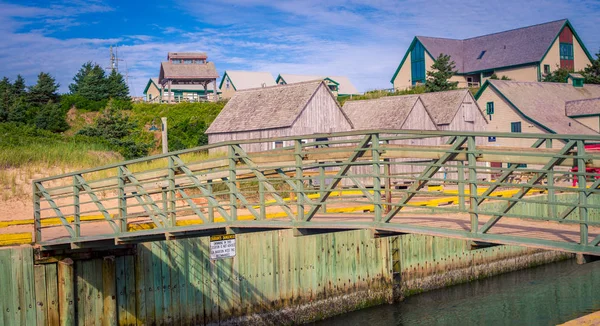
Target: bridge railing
[385,180]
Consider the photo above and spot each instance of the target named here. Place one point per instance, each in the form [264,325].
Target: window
[188,61]
[481,55]
[227,83]
[176,61]
[566,51]
[489,108]
[277,144]
[546,69]
[515,126]
[417,62]
[577,82]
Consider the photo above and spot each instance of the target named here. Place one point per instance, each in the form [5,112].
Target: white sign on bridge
[222,246]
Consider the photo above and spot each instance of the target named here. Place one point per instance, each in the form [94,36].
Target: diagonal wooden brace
[428,173]
[57,210]
[530,185]
[98,203]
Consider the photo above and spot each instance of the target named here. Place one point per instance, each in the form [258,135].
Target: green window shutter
[490,108]
[515,126]
[578,82]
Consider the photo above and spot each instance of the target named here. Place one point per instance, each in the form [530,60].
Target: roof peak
[316,81]
[495,33]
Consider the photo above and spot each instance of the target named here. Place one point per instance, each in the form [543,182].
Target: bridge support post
[77,208]
[583,211]
[473,202]
[377,209]
[552,211]
[122,202]
[232,181]
[584,259]
[300,182]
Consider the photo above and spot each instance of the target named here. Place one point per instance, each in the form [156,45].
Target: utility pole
[165,141]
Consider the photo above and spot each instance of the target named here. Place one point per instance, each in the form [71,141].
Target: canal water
[545,295]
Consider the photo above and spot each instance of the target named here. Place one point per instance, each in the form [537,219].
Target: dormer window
[481,55]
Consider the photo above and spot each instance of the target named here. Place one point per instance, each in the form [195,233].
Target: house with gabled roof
[237,80]
[339,85]
[186,70]
[539,107]
[523,54]
[283,110]
[179,92]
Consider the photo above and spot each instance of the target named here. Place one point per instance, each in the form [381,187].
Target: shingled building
[185,75]
[523,54]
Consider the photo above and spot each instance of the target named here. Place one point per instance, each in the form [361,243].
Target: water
[545,295]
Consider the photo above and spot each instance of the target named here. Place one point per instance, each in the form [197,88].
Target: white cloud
[364,40]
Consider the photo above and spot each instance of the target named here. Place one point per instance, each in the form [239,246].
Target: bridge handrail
[162,192]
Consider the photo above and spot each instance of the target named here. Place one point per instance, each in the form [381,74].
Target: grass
[383,93]
[146,113]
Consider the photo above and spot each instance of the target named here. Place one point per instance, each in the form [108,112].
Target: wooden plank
[166,282]
[29,287]
[199,262]
[80,290]
[66,292]
[17,285]
[158,283]
[140,287]
[130,289]
[121,286]
[52,294]
[7,302]
[40,295]
[213,274]
[109,291]
[145,250]
[174,271]
[183,268]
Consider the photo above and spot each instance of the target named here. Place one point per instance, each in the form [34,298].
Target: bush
[120,132]
[81,103]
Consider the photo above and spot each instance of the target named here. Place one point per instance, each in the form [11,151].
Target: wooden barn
[278,111]
[454,110]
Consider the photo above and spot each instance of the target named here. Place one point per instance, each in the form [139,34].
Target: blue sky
[364,40]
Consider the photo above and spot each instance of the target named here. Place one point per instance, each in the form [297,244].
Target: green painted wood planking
[29,286]
[80,288]
[66,292]
[40,295]
[52,294]
[157,283]
[140,287]
[166,283]
[109,291]
[130,289]
[121,287]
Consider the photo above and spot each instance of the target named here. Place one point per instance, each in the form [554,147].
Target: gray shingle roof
[508,48]
[187,71]
[545,103]
[345,86]
[582,107]
[250,79]
[382,113]
[265,107]
[186,55]
[442,106]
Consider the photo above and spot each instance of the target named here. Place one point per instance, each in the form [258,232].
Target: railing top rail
[431,133]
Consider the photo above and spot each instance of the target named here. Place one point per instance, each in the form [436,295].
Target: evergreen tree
[18,88]
[19,111]
[51,117]
[44,91]
[5,98]
[90,82]
[438,77]
[591,73]
[117,88]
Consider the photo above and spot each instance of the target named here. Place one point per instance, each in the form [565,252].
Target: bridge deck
[538,197]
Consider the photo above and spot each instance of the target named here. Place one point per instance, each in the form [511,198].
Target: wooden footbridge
[542,193]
